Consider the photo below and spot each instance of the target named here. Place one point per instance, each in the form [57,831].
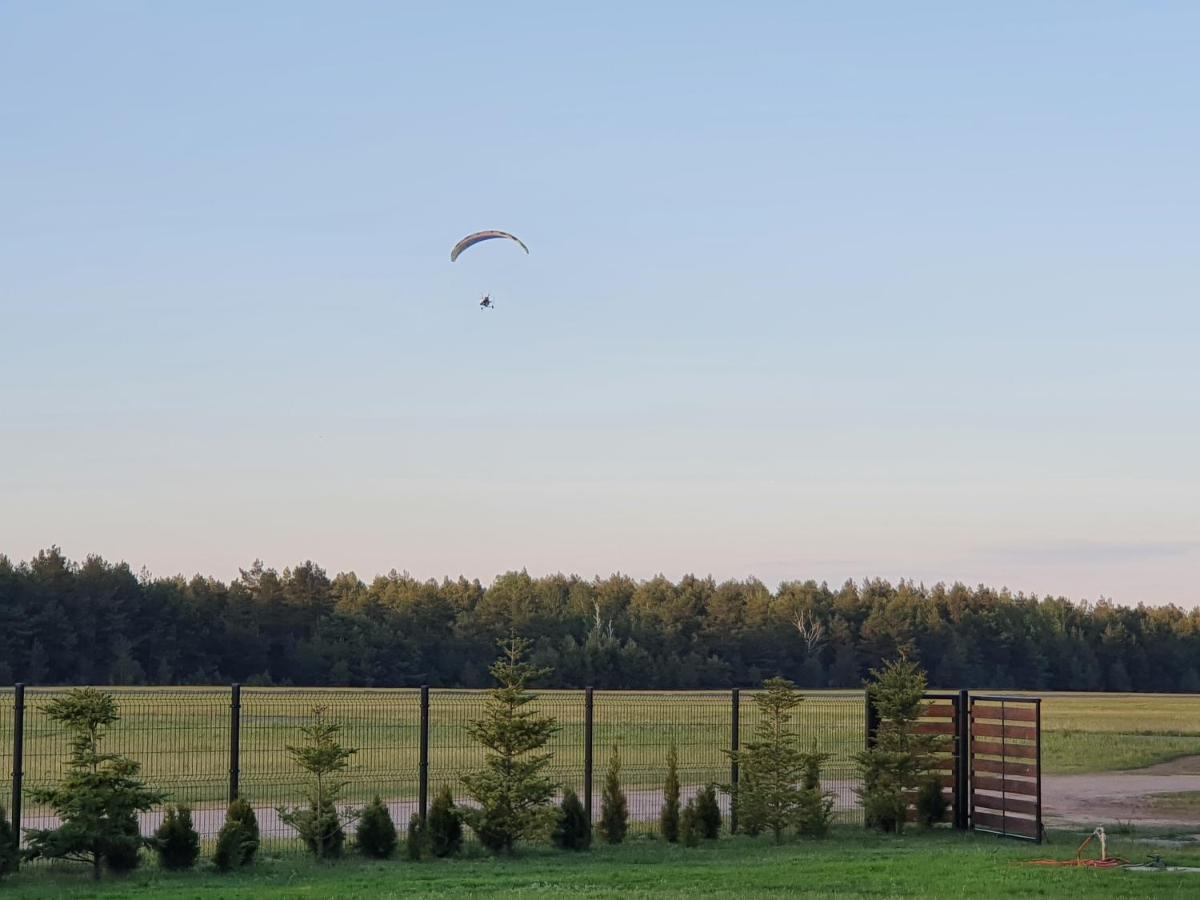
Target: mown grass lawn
[849,864]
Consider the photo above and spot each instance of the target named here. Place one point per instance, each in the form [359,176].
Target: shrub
[572,831]
[9,854]
[691,829]
[614,809]
[931,802]
[238,840]
[414,843]
[444,828]
[320,824]
[814,810]
[512,790]
[708,813]
[98,800]
[376,834]
[668,820]
[176,841]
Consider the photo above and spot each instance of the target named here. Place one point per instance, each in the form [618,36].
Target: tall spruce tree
[512,789]
[901,758]
[99,799]
[769,790]
[323,756]
[614,808]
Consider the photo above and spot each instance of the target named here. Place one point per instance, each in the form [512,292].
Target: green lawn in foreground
[849,864]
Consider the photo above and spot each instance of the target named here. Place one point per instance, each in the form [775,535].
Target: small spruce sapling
[9,854]
[445,825]
[176,841]
[375,836]
[668,820]
[814,813]
[414,842]
[572,831]
[708,813]
[614,808]
[691,830]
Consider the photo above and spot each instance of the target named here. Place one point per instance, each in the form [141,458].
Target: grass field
[182,736]
[848,864]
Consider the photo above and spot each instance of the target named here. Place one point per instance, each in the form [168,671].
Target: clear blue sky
[816,289]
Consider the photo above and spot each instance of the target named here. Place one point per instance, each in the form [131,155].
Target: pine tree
[444,827]
[901,758]
[320,823]
[769,794]
[572,831]
[375,836]
[99,799]
[238,840]
[614,808]
[176,841]
[668,820]
[512,790]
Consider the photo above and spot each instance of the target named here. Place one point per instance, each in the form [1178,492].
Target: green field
[848,864]
[182,736]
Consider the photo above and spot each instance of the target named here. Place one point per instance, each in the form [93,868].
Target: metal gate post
[588,735]
[735,700]
[423,771]
[235,740]
[18,769]
[962,763]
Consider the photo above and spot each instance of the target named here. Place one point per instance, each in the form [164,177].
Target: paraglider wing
[472,239]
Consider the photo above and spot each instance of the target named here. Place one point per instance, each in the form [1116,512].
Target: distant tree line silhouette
[96,622]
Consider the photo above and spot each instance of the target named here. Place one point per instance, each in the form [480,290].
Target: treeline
[100,623]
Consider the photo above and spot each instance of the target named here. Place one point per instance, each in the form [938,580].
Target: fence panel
[644,724]
[383,724]
[6,747]
[832,722]
[1006,755]
[180,736]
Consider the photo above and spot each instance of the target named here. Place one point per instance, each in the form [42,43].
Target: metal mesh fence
[182,737]
[384,725]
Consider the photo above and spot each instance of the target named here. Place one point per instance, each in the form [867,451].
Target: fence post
[588,735]
[735,701]
[962,763]
[18,769]
[423,790]
[235,739]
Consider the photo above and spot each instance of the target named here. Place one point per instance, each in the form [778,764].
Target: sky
[815,290]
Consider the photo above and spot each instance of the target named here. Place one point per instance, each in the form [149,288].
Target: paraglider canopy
[472,239]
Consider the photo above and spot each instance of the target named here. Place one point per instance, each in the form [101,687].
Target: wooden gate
[1006,766]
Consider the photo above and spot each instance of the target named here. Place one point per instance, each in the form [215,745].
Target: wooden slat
[1020,732]
[1001,748]
[938,711]
[1004,713]
[935,728]
[1006,804]
[999,767]
[1005,824]
[1008,785]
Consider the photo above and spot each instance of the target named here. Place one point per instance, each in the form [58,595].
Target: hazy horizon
[814,291]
